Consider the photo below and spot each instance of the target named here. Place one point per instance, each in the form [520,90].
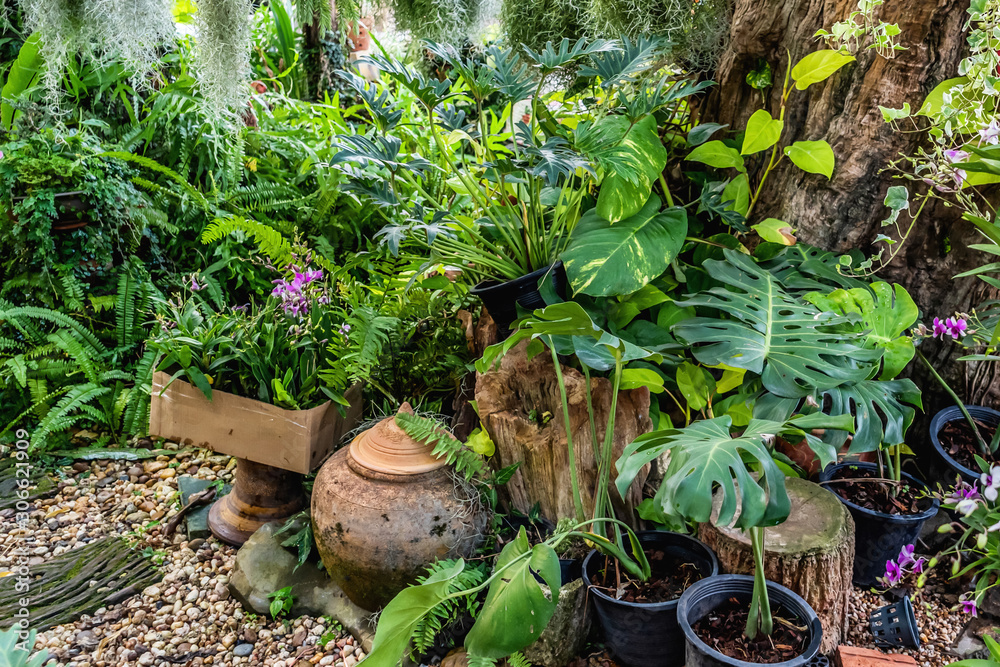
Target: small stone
[243,650]
[166,473]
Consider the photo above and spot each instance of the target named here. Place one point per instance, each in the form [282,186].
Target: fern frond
[65,413]
[445,613]
[75,350]
[446,446]
[153,165]
[269,241]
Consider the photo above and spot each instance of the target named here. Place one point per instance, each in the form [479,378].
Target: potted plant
[255,391]
[726,619]
[627,606]
[516,190]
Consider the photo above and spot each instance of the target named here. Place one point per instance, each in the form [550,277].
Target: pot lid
[386,448]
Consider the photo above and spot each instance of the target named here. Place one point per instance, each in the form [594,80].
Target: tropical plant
[511,207]
[521,596]
[40,173]
[14,653]
[710,456]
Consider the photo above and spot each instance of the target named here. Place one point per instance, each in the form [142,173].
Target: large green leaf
[23,72]
[882,412]
[706,458]
[815,157]
[790,343]
[622,197]
[616,259]
[717,154]
[762,132]
[818,66]
[516,609]
[402,615]
[886,312]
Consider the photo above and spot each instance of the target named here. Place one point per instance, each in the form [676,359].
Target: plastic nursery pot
[878,536]
[502,298]
[708,594]
[647,635]
[953,414]
[895,625]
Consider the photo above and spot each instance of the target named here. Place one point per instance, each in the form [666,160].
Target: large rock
[566,634]
[263,566]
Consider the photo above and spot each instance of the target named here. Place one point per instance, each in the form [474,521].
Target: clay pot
[384,508]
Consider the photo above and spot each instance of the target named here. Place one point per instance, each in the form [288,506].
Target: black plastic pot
[878,537]
[895,625]
[647,635]
[571,569]
[953,414]
[501,298]
[708,594]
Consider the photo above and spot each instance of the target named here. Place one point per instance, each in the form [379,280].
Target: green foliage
[15,653]
[281,602]
[298,534]
[466,462]
[429,628]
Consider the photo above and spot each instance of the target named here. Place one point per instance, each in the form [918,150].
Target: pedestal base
[261,494]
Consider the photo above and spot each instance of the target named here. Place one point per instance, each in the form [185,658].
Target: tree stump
[520,407]
[811,553]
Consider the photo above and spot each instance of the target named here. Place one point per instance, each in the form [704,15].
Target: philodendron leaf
[882,412]
[816,157]
[402,615]
[886,312]
[622,197]
[616,259]
[775,231]
[516,609]
[704,457]
[716,154]
[790,343]
[818,66]
[762,132]
[736,194]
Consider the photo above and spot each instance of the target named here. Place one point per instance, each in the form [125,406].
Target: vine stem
[961,406]
[573,481]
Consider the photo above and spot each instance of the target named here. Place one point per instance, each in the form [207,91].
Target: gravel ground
[188,618]
[939,626]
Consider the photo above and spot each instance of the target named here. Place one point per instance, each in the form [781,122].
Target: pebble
[188,610]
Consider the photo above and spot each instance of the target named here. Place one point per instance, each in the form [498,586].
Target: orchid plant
[977,550]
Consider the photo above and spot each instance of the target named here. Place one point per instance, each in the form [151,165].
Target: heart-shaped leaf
[815,157]
[762,132]
[818,66]
[616,259]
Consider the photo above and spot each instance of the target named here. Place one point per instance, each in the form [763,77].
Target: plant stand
[812,553]
[261,494]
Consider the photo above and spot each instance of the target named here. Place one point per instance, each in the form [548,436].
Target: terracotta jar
[384,508]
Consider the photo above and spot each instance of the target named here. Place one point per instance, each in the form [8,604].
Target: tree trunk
[521,408]
[811,553]
[844,213]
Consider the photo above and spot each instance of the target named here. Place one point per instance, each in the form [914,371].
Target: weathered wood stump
[811,553]
[520,407]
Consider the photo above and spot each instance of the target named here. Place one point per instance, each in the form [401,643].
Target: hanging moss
[442,21]
[697,28]
[222,48]
[532,23]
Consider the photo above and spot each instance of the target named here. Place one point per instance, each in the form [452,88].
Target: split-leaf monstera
[791,344]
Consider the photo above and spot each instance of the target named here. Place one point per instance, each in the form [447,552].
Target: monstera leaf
[705,456]
[617,259]
[791,344]
[516,609]
[886,312]
[883,411]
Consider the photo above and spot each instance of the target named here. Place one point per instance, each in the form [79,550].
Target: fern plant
[450,612]
[466,462]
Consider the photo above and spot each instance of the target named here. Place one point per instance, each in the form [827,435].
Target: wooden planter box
[295,440]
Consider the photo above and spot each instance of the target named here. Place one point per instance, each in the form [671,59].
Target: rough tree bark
[521,409]
[845,212]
